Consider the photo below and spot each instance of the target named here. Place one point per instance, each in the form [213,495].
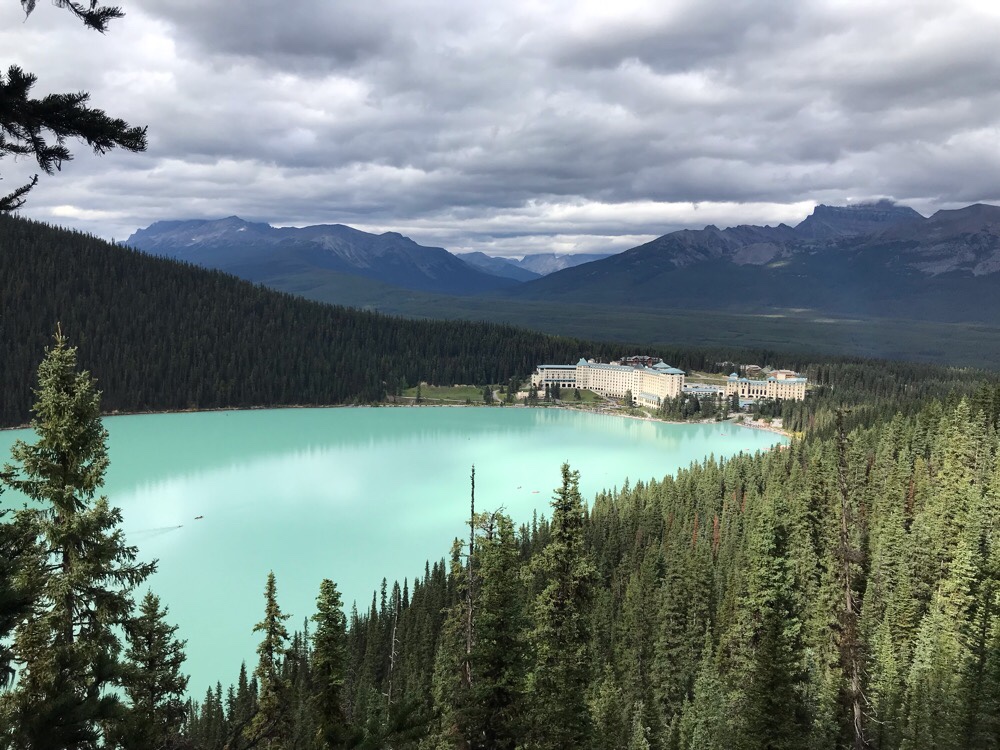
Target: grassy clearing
[709,378]
[448,393]
[586,397]
[461,394]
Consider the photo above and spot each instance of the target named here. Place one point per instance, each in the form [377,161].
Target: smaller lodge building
[780,384]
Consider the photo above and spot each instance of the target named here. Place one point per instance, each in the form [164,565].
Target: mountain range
[869,260]
[530,266]
[292,258]
[864,260]
[313,259]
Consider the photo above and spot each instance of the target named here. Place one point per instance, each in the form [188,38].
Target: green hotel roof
[660,367]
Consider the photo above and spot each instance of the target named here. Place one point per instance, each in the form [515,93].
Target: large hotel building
[651,380]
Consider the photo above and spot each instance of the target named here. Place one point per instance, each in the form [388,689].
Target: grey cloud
[681,35]
[315,33]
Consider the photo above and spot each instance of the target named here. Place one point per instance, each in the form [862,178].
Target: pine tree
[244,704]
[768,677]
[329,665]
[639,734]
[450,690]
[492,719]
[270,724]
[69,649]
[154,682]
[609,713]
[558,683]
[703,721]
[934,699]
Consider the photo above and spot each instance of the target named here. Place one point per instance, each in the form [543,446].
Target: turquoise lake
[350,494]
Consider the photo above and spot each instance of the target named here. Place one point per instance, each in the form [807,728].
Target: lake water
[353,494]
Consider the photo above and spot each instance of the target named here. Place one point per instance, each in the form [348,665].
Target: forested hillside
[166,335]
[840,593]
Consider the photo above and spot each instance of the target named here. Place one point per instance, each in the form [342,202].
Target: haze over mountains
[875,259]
[530,266]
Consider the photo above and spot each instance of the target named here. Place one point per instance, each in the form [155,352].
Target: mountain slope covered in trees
[168,335]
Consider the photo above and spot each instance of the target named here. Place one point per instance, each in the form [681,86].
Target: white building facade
[780,384]
[649,385]
[562,375]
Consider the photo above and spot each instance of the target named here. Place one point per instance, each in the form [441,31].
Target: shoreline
[753,425]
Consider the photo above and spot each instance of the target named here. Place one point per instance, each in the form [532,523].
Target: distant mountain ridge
[546,263]
[506,267]
[875,259]
[530,266]
[869,259]
[292,256]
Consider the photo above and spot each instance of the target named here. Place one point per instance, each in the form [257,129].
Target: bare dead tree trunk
[470,582]
[849,647]
[397,603]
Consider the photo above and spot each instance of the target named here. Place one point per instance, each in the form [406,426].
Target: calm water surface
[354,495]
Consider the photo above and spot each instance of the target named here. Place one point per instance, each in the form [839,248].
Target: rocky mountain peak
[828,222]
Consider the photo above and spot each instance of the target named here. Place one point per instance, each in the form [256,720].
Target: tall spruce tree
[558,683]
[768,678]
[493,717]
[153,680]
[449,687]
[68,650]
[270,724]
[329,664]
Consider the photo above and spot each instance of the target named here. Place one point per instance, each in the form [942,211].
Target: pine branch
[93,15]
[13,201]
[25,123]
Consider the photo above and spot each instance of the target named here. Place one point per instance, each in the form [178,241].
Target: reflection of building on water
[650,380]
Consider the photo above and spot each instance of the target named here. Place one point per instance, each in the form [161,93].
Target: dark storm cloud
[685,35]
[520,126]
[316,34]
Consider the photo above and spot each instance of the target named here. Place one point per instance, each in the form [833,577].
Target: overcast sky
[519,126]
